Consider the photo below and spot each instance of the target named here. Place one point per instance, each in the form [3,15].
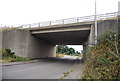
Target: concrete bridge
[37,41]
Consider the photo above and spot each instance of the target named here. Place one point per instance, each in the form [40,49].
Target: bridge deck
[61,26]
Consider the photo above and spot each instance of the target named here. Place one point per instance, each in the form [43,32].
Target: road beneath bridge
[43,69]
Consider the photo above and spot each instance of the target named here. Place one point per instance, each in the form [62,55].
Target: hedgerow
[104,58]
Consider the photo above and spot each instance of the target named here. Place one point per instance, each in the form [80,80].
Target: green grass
[13,59]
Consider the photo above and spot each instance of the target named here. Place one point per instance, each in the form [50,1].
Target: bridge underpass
[70,35]
[64,38]
[40,42]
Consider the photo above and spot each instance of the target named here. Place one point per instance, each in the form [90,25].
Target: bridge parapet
[68,21]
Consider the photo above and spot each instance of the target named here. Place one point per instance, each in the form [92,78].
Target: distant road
[43,69]
[71,57]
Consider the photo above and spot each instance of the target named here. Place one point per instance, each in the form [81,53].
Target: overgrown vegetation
[9,56]
[104,59]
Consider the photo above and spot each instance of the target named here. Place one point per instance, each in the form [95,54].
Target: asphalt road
[43,69]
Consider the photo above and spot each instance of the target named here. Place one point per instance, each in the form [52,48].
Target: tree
[72,51]
[64,49]
[77,52]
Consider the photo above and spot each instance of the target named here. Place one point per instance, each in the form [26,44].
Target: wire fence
[68,21]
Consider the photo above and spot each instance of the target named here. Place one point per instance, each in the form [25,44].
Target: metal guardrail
[68,21]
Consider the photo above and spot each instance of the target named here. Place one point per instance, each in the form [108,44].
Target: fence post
[21,26]
[39,24]
[115,14]
[106,15]
[63,21]
[77,20]
[29,25]
[50,23]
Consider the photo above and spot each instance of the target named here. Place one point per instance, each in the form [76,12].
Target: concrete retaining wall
[103,26]
[107,25]
[16,40]
[24,44]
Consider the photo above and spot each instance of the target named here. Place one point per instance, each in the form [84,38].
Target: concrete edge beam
[80,29]
[62,25]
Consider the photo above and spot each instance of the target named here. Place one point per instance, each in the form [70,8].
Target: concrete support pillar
[39,49]
[91,38]
[89,43]
[25,45]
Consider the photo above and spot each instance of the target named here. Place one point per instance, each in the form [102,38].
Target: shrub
[9,56]
[104,59]
[7,53]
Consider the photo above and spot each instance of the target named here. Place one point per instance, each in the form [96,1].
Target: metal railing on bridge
[68,21]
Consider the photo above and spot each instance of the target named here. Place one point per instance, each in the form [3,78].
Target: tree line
[64,49]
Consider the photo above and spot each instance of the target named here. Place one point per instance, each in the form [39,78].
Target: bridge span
[40,42]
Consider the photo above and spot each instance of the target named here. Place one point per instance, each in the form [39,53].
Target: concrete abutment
[24,44]
[103,27]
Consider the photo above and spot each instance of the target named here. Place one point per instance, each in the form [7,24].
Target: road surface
[43,69]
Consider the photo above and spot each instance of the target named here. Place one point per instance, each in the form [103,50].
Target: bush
[7,53]
[9,56]
[104,59]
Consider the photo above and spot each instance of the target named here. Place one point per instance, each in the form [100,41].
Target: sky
[35,11]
